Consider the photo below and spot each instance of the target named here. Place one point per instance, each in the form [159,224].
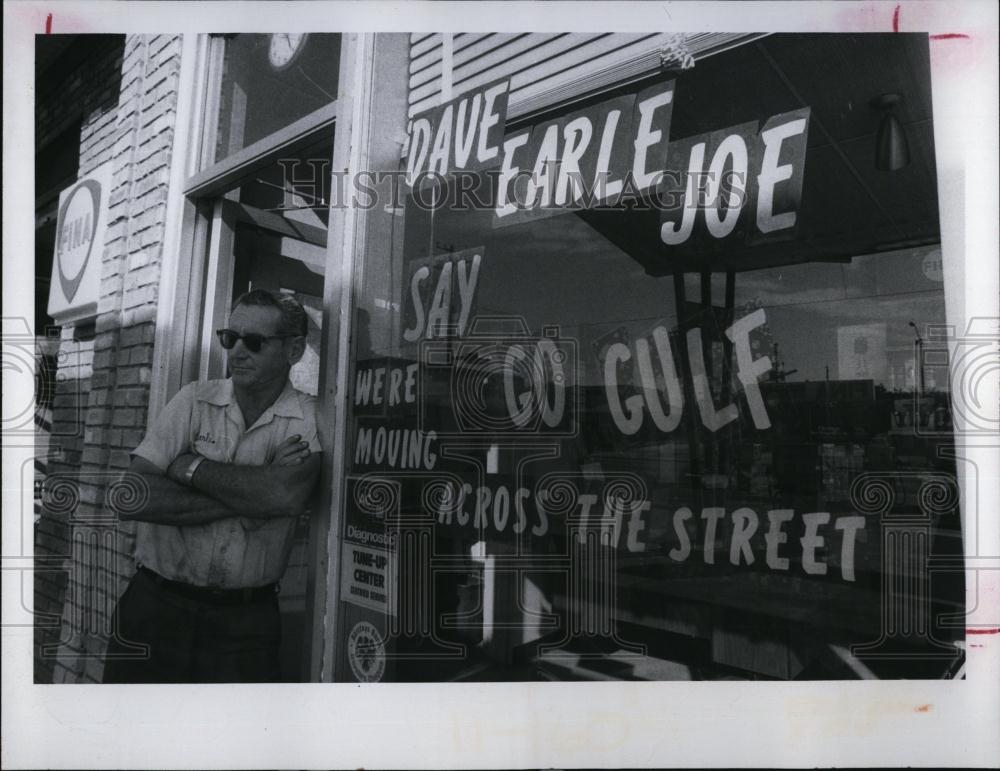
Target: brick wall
[106,370]
[86,94]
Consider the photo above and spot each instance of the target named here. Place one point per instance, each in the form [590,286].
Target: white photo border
[895,723]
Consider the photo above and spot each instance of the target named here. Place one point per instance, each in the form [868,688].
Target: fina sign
[80,230]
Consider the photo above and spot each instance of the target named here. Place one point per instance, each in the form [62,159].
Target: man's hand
[291,452]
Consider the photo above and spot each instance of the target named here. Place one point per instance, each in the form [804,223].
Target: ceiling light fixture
[892,148]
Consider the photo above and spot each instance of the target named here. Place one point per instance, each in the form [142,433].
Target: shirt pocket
[211,449]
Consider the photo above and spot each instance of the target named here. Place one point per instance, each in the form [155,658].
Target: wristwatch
[189,473]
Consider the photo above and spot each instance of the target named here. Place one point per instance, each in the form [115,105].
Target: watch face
[285,47]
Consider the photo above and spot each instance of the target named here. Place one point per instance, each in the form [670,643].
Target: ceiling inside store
[848,206]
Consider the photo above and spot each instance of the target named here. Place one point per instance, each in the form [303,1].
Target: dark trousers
[160,636]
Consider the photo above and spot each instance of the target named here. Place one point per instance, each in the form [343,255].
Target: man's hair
[293,317]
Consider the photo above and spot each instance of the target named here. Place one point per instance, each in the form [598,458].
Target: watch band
[189,473]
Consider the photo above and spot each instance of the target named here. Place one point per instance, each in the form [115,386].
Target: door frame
[198,265]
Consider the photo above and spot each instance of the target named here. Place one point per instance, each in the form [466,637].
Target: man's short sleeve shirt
[234,552]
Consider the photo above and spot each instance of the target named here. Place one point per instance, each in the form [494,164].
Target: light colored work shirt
[236,552]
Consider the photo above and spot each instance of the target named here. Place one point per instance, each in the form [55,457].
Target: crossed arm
[220,490]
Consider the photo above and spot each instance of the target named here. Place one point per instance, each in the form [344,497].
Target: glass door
[256,215]
[264,250]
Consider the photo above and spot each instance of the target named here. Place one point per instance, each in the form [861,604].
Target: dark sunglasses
[253,341]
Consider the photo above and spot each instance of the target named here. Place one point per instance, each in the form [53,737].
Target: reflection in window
[737,455]
[279,242]
[748,498]
[270,81]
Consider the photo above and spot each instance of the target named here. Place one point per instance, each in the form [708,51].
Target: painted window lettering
[665,404]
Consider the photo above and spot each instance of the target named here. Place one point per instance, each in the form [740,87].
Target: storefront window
[579,452]
[271,80]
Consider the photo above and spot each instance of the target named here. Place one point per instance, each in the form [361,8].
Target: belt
[210,594]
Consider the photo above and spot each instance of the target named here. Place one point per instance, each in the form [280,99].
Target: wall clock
[285,48]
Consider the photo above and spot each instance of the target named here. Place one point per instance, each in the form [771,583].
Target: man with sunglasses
[225,470]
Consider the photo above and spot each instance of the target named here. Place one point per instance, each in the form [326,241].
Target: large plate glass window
[582,450]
